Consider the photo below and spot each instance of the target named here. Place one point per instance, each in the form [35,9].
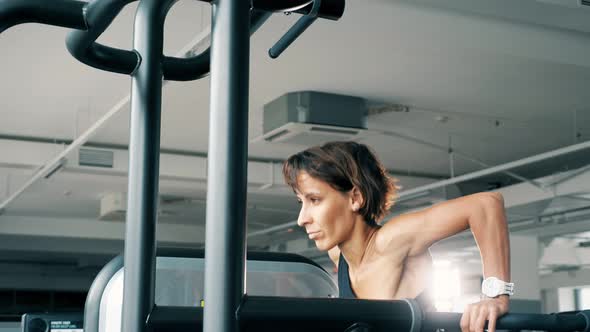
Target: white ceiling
[509,79]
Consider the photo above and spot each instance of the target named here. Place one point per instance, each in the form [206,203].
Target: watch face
[491,287]
[495,287]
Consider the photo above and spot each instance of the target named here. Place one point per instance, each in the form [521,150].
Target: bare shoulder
[334,254]
[396,235]
[413,233]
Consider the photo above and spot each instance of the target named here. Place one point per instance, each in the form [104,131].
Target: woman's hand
[490,309]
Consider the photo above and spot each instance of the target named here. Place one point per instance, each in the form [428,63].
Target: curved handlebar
[83,46]
[329,9]
[91,19]
[64,13]
[99,14]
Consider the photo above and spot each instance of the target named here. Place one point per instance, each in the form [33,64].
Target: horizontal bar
[63,13]
[539,322]
[330,9]
[262,314]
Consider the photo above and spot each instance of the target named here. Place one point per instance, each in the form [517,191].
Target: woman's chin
[323,245]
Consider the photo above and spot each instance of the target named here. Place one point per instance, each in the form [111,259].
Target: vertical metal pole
[227,165]
[144,154]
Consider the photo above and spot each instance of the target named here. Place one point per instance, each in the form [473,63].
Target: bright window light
[584,298]
[446,286]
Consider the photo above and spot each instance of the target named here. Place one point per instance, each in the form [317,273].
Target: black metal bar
[282,6]
[227,165]
[298,314]
[64,13]
[261,314]
[329,9]
[144,148]
[99,14]
[296,30]
[540,322]
[82,45]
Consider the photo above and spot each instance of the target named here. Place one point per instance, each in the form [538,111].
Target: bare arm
[483,213]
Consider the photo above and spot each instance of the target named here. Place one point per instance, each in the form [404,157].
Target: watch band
[494,287]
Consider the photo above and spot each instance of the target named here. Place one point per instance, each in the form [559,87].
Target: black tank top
[345,291]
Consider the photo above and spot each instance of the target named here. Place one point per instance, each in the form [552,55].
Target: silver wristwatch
[494,287]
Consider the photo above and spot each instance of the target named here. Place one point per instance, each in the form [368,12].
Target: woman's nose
[303,217]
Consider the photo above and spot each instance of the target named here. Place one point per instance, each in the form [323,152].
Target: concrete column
[524,269]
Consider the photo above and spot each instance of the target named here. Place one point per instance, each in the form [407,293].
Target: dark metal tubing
[282,6]
[144,149]
[296,30]
[261,314]
[99,14]
[299,314]
[64,13]
[553,322]
[330,9]
[227,165]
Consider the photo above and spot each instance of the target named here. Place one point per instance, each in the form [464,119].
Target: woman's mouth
[313,235]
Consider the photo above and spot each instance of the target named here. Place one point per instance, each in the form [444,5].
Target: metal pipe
[457,153]
[289,37]
[144,154]
[499,168]
[228,152]
[64,13]
[82,46]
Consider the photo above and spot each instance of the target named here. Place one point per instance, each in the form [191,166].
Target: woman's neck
[358,244]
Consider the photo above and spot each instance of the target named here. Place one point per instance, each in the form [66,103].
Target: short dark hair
[344,165]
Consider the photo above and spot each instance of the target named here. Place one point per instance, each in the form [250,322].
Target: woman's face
[326,213]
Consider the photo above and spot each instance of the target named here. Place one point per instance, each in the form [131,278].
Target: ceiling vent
[95,158]
[312,118]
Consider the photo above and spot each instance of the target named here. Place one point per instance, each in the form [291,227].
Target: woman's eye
[314,200]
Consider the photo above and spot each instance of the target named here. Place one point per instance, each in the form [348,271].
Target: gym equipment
[227,308]
[56,322]
[180,283]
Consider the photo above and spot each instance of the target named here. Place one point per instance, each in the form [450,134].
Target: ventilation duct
[95,158]
[311,118]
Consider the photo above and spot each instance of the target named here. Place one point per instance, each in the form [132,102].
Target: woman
[344,190]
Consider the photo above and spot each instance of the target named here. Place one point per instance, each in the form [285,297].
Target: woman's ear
[356,199]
